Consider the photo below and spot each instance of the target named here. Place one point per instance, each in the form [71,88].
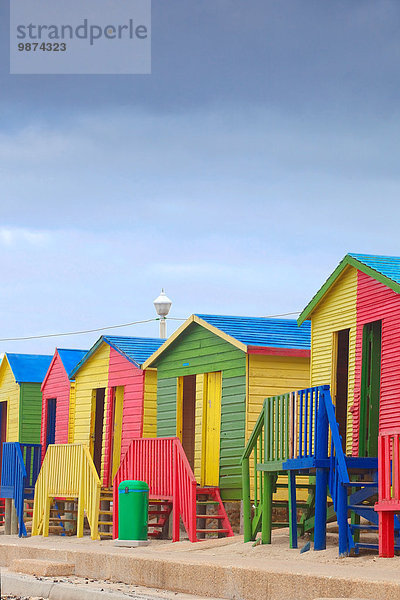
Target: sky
[262,148]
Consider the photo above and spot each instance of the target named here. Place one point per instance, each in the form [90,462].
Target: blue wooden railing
[19,471]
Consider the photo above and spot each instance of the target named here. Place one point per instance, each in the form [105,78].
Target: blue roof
[70,358]
[29,368]
[262,331]
[389,266]
[135,349]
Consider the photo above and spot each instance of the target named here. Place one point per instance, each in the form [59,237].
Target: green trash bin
[133,511]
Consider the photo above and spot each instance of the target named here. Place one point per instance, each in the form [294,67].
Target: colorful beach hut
[213,374]
[115,400]
[21,376]
[352,410]
[355,322]
[58,393]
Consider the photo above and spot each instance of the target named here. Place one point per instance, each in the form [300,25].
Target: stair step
[203,502]
[362,527]
[158,512]
[211,517]
[154,534]
[370,484]
[369,546]
[285,504]
[105,534]
[354,507]
[105,512]
[106,523]
[212,530]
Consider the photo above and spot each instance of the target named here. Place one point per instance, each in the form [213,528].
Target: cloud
[11,236]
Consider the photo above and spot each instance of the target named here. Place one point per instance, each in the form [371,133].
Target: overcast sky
[263,147]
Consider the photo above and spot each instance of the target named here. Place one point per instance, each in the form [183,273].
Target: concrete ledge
[42,568]
[208,573]
[19,585]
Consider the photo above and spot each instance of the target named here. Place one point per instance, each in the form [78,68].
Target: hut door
[370,389]
[51,421]
[96,436]
[341,381]
[186,410]
[212,419]
[117,400]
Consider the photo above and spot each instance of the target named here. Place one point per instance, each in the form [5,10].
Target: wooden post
[386,534]
[46,516]
[246,500]
[7,516]
[266,519]
[175,499]
[14,519]
[321,479]
[342,520]
[292,509]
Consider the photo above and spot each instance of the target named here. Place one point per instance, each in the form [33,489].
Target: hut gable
[9,392]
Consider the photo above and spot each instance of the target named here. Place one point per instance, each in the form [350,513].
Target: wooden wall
[199,351]
[377,302]
[336,311]
[57,386]
[150,403]
[270,376]
[121,372]
[10,393]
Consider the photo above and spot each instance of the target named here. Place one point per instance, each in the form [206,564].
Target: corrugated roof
[29,368]
[70,358]
[135,348]
[389,266]
[260,331]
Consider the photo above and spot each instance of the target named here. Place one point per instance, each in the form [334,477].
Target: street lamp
[162,304]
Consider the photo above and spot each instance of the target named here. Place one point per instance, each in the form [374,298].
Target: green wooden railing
[261,460]
[284,430]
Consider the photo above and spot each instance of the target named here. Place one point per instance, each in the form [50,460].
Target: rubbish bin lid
[132,484]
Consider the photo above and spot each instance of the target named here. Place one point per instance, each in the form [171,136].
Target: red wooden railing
[388,488]
[163,465]
[184,494]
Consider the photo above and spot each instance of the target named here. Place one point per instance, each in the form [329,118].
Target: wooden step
[211,517]
[105,512]
[205,502]
[212,530]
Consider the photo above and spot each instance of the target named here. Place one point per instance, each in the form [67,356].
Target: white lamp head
[162,304]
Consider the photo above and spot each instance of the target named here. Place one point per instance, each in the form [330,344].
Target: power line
[49,335]
[97,329]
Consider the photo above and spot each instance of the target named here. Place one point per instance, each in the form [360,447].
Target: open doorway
[51,409]
[98,399]
[370,389]
[186,411]
[342,381]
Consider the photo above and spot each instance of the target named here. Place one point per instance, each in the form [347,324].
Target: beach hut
[352,410]
[355,320]
[115,400]
[213,374]
[21,376]
[58,393]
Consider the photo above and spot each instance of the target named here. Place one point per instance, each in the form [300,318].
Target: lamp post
[162,304]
